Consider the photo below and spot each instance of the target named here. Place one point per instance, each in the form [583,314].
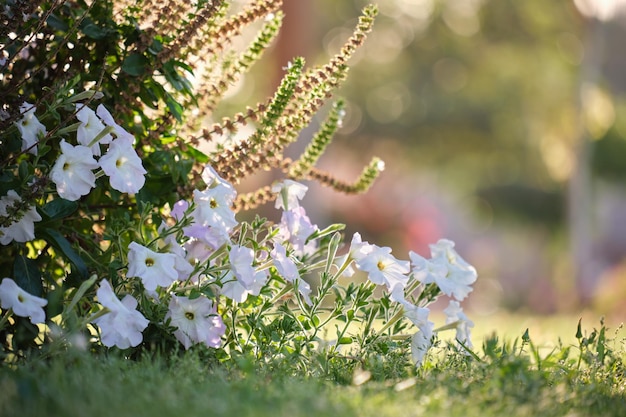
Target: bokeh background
[502,126]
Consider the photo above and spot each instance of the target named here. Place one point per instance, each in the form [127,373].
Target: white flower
[212,179]
[358,248]
[287,268]
[181,263]
[289,194]
[119,132]
[30,128]
[454,314]
[22,230]
[452,274]
[154,269]
[123,166]
[90,128]
[384,268]
[422,339]
[214,207]
[196,321]
[421,342]
[22,303]
[72,171]
[234,289]
[242,278]
[123,324]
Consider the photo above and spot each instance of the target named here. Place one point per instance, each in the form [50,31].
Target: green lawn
[504,380]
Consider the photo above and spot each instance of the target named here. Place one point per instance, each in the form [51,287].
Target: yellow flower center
[189,315]
[380,265]
[20,298]
[213,203]
[149,262]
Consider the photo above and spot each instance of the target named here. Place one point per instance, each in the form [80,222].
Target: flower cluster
[134,240]
[73,172]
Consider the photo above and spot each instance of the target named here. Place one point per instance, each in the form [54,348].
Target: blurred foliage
[487,93]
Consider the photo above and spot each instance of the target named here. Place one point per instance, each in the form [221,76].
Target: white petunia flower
[358,248]
[447,269]
[212,179]
[196,321]
[72,172]
[454,314]
[289,194]
[123,324]
[384,269]
[22,303]
[214,207]
[91,126]
[119,132]
[421,342]
[123,166]
[153,268]
[22,230]
[30,128]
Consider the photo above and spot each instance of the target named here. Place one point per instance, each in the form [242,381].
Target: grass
[512,378]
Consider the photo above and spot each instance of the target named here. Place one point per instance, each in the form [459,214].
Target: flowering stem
[392,321]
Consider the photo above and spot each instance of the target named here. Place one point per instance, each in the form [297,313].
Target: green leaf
[175,107]
[27,275]
[23,171]
[56,23]
[346,340]
[59,208]
[60,243]
[135,64]
[94,31]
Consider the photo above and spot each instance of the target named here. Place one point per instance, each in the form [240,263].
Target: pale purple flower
[30,128]
[198,250]
[295,227]
[288,269]
[22,230]
[196,321]
[72,172]
[153,268]
[123,166]
[89,129]
[23,304]
[210,237]
[119,132]
[454,314]
[179,209]
[241,261]
[123,324]
[384,269]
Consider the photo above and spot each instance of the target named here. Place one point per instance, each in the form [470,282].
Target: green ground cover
[507,377]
